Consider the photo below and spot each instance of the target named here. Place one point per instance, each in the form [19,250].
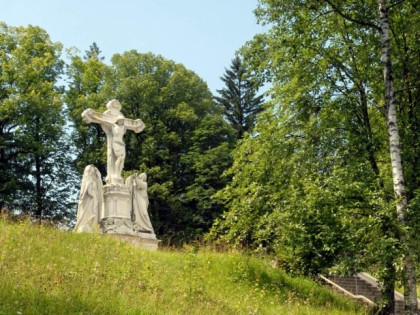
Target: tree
[238,100]
[34,162]
[86,80]
[409,275]
[183,149]
[93,53]
[322,58]
[296,189]
[382,26]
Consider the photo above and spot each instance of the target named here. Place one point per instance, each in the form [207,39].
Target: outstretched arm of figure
[89,116]
[134,125]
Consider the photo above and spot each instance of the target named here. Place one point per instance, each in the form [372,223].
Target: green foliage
[238,100]
[86,79]
[33,150]
[47,271]
[184,148]
[406,51]
[313,185]
[298,196]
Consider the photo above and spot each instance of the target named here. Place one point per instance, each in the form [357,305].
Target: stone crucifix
[114,124]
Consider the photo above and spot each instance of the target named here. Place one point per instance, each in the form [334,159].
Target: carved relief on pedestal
[115,225]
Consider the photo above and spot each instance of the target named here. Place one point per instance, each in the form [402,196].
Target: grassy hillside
[47,271]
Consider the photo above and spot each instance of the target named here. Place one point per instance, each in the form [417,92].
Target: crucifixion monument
[121,207]
[114,124]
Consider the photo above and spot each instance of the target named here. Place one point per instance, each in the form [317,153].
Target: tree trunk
[389,274]
[409,276]
[388,297]
[38,175]
[38,187]
[367,127]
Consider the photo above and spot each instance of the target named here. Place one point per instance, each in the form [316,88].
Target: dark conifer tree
[238,99]
[93,53]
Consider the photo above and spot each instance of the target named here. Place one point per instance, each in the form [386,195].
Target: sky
[203,35]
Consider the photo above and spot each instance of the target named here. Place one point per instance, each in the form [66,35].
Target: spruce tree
[93,53]
[238,99]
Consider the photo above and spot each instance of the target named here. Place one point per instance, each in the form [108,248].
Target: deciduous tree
[184,148]
[36,177]
[325,62]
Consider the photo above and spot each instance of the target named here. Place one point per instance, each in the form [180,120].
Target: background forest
[306,174]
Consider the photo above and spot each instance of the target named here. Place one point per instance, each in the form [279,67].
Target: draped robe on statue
[89,209]
[140,200]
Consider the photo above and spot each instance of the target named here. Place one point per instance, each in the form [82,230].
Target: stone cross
[114,124]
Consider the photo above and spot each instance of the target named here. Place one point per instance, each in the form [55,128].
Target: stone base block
[138,241]
[125,230]
[117,225]
[117,201]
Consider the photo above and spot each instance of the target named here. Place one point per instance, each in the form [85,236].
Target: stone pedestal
[117,222]
[117,201]
[138,241]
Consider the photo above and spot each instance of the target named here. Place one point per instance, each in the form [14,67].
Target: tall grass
[47,271]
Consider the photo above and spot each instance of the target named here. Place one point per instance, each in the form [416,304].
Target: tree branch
[395,4]
[412,87]
[322,14]
[349,18]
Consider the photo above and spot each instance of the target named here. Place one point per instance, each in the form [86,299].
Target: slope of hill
[47,271]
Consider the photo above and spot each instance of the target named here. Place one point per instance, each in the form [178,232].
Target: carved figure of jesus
[114,124]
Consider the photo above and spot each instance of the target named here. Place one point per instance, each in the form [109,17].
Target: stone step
[360,289]
[358,286]
[355,284]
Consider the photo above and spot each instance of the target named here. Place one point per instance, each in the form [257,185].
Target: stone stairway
[362,287]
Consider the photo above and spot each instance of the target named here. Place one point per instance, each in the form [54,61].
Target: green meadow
[44,270]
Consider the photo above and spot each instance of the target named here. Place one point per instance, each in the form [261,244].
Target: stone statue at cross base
[89,210]
[140,202]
